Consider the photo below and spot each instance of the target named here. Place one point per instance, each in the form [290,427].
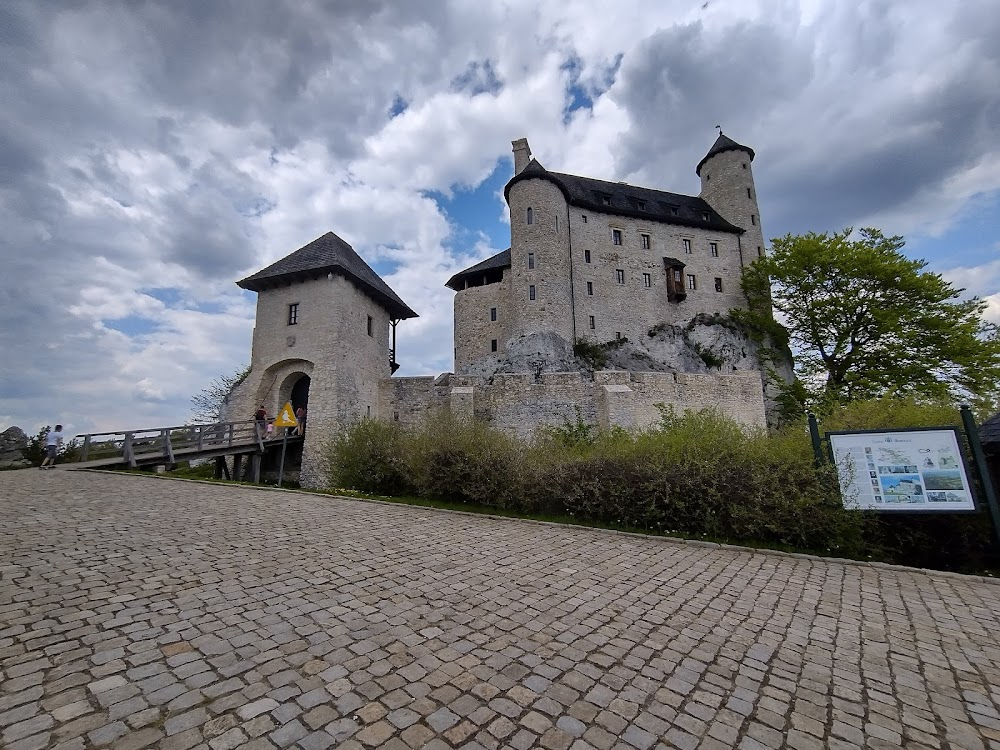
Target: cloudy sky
[151,153]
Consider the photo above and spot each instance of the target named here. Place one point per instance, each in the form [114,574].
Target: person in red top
[300,417]
[261,417]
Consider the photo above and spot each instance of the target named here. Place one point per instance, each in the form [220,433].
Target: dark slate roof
[624,200]
[673,262]
[722,143]
[328,254]
[989,432]
[500,260]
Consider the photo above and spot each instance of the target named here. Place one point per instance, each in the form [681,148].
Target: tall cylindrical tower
[541,278]
[727,186]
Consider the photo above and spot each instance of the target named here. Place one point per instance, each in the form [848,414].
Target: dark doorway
[300,392]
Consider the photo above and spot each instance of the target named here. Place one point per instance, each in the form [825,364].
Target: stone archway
[294,388]
[300,392]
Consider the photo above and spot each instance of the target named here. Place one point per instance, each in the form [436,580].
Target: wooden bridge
[166,446]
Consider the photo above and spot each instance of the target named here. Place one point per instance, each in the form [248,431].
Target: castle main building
[597,260]
[644,274]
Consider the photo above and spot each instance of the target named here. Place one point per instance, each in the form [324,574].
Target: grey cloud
[812,102]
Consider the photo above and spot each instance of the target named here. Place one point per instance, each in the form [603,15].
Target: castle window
[692,281]
[493,313]
[557,224]
[718,284]
[677,275]
[620,275]
[647,280]
[618,334]
[606,199]
[531,260]
[753,219]
[584,217]
[708,177]
[590,288]
[293,313]
[531,216]
[714,246]
[748,193]
[531,292]
[687,245]
[645,241]
[760,252]
[586,256]
[493,345]
[616,236]
[704,216]
[369,325]
[369,411]
[592,324]
[744,165]
[395,416]
[674,211]
[641,205]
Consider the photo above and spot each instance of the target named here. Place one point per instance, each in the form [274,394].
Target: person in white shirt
[52,443]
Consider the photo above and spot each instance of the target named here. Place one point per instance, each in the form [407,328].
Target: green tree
[867,321]
[206,405]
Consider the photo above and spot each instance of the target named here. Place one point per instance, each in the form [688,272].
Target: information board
[904,471]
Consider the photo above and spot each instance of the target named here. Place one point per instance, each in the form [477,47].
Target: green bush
[369,456]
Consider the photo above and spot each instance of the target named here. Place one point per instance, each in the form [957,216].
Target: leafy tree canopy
[866,321]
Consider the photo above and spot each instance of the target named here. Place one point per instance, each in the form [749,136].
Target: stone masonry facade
[589,260]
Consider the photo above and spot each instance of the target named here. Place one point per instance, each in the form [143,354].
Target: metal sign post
[286,418]
[980,461]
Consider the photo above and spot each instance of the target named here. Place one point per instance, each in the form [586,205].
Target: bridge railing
[166,442]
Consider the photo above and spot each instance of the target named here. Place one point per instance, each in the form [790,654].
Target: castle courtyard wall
[519,404]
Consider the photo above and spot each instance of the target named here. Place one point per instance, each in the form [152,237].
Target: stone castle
[609,304]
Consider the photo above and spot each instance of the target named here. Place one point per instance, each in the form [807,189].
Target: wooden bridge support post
[255,460]
[237,466]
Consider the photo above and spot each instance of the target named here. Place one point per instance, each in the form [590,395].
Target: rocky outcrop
[705,344]
[13,445]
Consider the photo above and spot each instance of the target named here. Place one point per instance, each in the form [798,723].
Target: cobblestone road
[136,612]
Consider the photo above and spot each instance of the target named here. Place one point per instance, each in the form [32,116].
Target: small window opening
[718,284]
[641,205]
[616,236]
[618,334]
[586,256]
[760,251]
[714,246]
[531,216]
[590,288]
[531,292]
[744,165]
[606,199]
[493,313]
[395,416]
[531,260]
[692,281]
[293,314]
[369,411]
[584,217]
[748,193]
[753,219]
[647,280]
[493,345]
[593,325]
[704,216]
[645,241]
[687,245]
[557,224]
[369,325]
[620,275]
[674,211]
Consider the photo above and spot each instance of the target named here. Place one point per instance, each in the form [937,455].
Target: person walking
[261,417]
[53,441]
[300,417]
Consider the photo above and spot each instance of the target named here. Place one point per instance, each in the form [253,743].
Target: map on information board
[919,470]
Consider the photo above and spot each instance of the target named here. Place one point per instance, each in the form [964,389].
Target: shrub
[369,456]
[465,461]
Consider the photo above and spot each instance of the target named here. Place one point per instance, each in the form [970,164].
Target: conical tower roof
[723,143]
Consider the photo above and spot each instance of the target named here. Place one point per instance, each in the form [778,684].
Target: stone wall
[474,329]
[520,404]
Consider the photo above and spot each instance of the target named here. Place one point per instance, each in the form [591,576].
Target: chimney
[522,154]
